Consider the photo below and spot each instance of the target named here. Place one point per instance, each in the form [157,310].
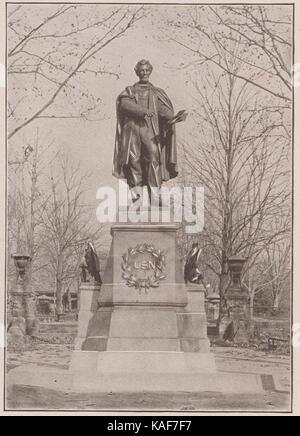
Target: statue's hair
[141,63]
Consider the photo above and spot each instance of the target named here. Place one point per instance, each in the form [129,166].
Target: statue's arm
[129,106]
[165,112]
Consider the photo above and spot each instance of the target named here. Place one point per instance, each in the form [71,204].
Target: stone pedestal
[88,305]
[22,317]
[238,309]
[143,331]
[147,331]
[192,322]
[30,310]
[16,315]
[22,314]
[237,301]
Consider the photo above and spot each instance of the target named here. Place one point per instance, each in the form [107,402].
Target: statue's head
[143,70]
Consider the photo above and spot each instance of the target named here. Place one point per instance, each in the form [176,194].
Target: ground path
[228,359]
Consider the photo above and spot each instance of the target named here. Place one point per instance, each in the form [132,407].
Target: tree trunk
[222,289]
[59,286]
[276,301]
[252,295]
[59,307]
[250,324]
[223,286]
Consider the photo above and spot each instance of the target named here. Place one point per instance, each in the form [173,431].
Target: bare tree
[239,59]
[262,33]
[48,218]
[50,49]
[67,225]
[25,200]
[241,157]
[271,272]
[279,267]
[268,266]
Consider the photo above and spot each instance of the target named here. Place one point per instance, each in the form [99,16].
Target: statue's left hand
[179,117]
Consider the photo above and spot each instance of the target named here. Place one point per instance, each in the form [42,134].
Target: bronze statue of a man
[145,148]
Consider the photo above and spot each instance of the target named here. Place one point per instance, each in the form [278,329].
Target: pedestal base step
[141,362]
[154,382]
[84,382]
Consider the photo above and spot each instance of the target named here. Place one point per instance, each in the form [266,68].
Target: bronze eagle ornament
[192,273]
[90,266]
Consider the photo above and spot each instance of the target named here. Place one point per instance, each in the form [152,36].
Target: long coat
[128,130]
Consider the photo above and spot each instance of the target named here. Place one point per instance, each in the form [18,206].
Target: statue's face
[144,72]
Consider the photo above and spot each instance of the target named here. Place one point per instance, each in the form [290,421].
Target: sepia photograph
[149,208]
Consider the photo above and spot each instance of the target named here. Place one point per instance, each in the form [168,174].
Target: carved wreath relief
[143,267]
